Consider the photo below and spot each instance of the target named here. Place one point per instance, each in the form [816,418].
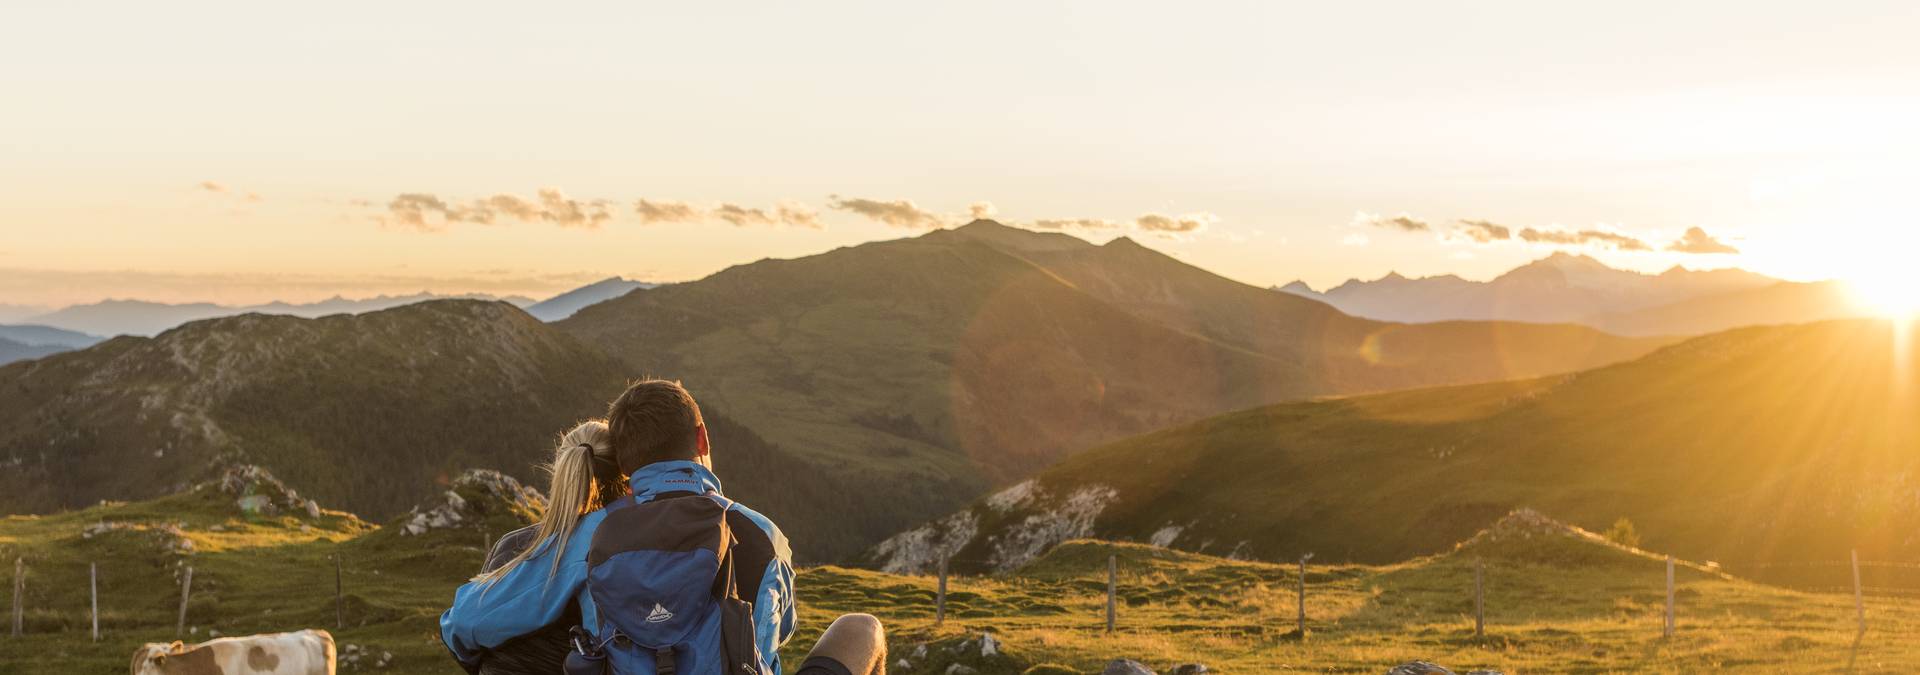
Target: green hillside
[976,356]
[367,413]
[1558,600]
[1753,446]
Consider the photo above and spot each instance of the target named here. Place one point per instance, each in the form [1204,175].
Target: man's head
[656,421]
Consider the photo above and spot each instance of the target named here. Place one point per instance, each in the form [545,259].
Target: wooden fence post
[19,590]
[339,597]
[1859,602]
[93,592]
[1667,631]
[1113,582]
[1479,599]
[940,601]
[1303,595]
[186,588]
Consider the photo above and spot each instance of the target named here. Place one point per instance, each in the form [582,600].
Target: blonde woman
[585,478]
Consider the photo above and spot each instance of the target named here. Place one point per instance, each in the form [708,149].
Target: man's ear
[704,446]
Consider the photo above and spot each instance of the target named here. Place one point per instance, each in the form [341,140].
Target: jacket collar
[673,476]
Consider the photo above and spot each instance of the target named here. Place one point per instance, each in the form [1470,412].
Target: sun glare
[1887,292]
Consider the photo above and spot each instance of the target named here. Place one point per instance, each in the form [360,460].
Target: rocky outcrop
[1126,667]
[472,498]
[1045,528]
[1429,668]
[256,492]
[922,548]
[1015,526]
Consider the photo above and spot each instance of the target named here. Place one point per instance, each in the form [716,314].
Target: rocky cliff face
[478,498]
[1002,532]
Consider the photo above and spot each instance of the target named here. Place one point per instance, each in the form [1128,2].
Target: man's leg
[854,645]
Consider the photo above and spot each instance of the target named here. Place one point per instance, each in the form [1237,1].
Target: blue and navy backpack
[661,574]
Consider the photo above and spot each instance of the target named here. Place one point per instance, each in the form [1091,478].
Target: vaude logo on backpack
[659,614]
[661,576]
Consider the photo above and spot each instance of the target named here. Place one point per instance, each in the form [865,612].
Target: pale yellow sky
[241,152]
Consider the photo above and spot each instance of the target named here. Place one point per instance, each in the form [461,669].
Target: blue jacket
[526,599]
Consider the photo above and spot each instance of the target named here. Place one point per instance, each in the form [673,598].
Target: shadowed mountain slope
[1753,445]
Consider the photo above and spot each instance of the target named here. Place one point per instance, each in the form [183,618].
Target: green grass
[1554,604]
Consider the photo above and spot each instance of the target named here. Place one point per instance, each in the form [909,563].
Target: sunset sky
[241,152]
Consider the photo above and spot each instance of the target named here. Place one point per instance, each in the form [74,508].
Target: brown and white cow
[307,652]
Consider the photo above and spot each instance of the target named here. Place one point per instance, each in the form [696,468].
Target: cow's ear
[159,659]
[176,647]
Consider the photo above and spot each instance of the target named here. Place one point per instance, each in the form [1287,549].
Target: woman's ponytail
[571,494]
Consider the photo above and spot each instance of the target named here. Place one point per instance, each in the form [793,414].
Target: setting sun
[1886,291]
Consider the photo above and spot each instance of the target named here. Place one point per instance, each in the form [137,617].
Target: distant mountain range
[12,350]
[853,393]
[139,317]
[1575,288]
[1765,444]
[973,356]
[565,304]
[31,342]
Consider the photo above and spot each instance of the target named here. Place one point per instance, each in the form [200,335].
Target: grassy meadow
[1556,601]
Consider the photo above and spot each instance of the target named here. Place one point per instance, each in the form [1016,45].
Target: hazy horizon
[372,149]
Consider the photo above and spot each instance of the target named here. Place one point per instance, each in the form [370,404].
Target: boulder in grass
[1127,667]
[1419,668]
[1190,669]
[474,497]
[1050,669]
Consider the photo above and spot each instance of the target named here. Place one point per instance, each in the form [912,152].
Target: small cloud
[979,210]
[1556,236]
[429,213]
[901,213]
[1618,241]
[651,212]
[1075,224]
[741,216]
[213,186]
[558,208]
[514,206]
[1401,222]
[799,215]
[1182,224]
[418,210]
[1484,231]
[1697,241]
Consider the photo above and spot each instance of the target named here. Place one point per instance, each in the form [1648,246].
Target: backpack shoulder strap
[726,584]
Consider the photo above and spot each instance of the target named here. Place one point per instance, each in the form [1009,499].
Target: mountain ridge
[1573,288]
[1725,447]
[976,355]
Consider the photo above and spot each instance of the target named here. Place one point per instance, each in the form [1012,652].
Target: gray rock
[957,669]
[1419,668]
[1127,667]
[1190,669]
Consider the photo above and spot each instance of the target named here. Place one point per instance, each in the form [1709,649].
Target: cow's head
[151,658]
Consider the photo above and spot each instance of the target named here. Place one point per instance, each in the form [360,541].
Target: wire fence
[1861,578]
